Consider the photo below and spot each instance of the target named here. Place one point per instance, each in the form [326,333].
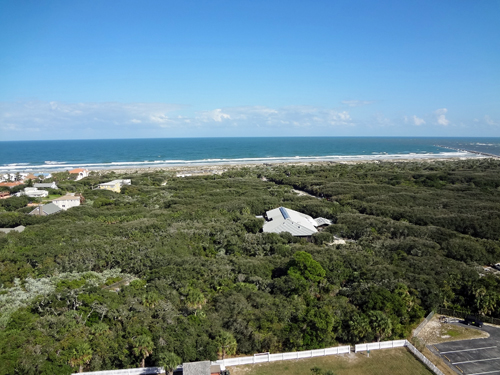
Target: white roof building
[283,219]
[33,192]
[67,201]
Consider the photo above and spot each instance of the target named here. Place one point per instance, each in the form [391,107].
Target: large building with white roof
[283,219]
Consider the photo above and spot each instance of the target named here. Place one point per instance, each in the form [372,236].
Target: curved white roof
[283,219]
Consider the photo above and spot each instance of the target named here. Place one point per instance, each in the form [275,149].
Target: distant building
[44,175]
[115,185]
[6,177]
[68,201]
[33,192]
[80,172]
[19,229]
[283,219]
[30,176]
[46,209]
[10,185]
[4,195]
[46,185]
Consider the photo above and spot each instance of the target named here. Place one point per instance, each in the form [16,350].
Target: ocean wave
[55,162]
[61,166]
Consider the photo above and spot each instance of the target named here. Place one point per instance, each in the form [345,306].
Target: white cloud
[441,116]
[67,116]
[357,103]
[418,121]
[381,120]
[59,119]
[296,116]
[214,115]
[489,120]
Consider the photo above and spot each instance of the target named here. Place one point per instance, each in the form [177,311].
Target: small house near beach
[67,201]
[19,229]
[115,185]
[10,185]
[80,172]
[283,219]
[45,185]
[33,192]
[46,209]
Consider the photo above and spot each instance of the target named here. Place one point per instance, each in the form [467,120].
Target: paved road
[472,357]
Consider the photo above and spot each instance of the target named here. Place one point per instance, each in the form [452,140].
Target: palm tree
[143,345]
[381,324]
[169,361]
[81,355]
[150,299]
[226,344]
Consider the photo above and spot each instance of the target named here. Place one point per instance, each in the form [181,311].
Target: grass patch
[453,333]
[381,362]
[50,197]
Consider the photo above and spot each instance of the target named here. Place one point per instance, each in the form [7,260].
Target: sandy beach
[208,169]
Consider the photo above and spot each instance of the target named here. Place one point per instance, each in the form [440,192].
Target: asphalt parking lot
[472,357]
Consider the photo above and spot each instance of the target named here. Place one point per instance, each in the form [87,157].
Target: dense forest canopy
[178,268]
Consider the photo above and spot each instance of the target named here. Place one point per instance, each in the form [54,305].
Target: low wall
[283,356]
[396,344]
[130,371]
[424,359]
[423,324]
[380,345]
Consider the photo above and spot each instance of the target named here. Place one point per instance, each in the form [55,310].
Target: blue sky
[129,69]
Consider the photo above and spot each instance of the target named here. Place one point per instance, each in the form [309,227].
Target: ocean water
[19,156]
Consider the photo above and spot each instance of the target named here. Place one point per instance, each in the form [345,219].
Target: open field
[381,362]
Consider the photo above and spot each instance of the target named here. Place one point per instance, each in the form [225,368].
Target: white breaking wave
[62,166]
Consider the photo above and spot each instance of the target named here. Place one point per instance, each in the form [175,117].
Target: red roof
[11,184]
[77,170]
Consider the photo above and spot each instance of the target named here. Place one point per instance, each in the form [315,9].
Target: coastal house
[46,209]
[115,185]
[46,185]
[44,175]
[19,229]
[67,201]
[30,176]
[283,219]
[33,192]
[9,177]
[80,172]
[10,185]
[4,195]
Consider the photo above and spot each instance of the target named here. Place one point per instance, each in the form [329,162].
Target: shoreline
[221,165]
[226,163]
[207,169]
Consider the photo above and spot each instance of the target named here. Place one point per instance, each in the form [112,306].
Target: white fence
[424,359]
[423,324]
[267,357]
[398,344]
[130,371]
[283,356]
[380,345]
